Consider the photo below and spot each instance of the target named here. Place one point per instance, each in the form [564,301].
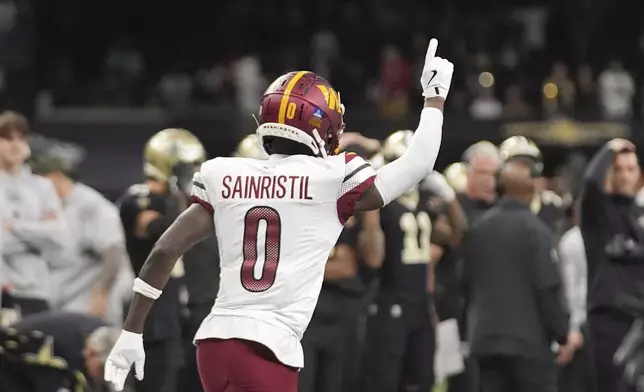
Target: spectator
[325,49]
[485,106]
[516,108]
[394,84]
[250,83]
[558,92]
[587,100]
[211,82]
[175,89]
[124,68]
[616,88]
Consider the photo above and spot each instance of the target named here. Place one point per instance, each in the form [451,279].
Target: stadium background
[108,74]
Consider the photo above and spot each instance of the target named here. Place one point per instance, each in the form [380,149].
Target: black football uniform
[549,207]
[330,339]
[162,331]
[400,337]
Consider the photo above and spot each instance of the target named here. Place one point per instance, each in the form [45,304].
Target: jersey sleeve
[359,176]
[199,192]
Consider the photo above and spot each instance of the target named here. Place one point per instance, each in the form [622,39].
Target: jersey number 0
[272,237]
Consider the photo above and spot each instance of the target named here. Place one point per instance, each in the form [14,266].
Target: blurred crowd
[517,63]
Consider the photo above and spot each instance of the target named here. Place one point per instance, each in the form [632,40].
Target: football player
[277,221]
[250,147]
[456,176]
[171,158]
[546,204]
[400,335]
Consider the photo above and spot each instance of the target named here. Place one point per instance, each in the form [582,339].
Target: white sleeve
[199,193]
[399,176]
[358,177]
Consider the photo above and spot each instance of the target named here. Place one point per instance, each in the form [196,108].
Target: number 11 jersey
[276,222]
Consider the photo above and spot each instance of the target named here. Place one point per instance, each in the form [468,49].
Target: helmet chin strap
[320,143]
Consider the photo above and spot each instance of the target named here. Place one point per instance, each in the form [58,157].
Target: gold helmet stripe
[281,118]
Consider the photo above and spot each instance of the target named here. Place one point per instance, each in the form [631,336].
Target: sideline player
[170,157]
[278,220]
[399,353]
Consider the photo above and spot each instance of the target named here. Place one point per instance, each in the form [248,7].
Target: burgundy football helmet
[303,107]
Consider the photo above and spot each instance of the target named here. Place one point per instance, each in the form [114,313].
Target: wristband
[145,289]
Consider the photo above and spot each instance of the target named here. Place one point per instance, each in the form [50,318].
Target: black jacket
[613,231]
[513,284]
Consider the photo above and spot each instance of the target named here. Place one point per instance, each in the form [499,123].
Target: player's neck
[157,186]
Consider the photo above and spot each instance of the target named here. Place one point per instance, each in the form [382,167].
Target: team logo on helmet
[303,107]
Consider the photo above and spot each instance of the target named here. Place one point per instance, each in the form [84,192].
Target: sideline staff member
[516,309]
[611,224]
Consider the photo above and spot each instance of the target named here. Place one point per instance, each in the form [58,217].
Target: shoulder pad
[136,195]
[549,197]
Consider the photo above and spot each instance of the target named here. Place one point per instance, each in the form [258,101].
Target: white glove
[437,73]
[438,185]
[128,350]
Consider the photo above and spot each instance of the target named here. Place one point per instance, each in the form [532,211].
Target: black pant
[516,374]
[607,330]
[162,360]
[189,380]
[466,381]
[331,345]
[324,356]
[400,344]
[578,375]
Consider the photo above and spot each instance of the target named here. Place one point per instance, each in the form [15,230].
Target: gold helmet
[250,147]
[396,144]
[169,148]
[520,147]
[456,176]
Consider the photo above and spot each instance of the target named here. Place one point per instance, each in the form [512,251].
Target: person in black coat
[513,289]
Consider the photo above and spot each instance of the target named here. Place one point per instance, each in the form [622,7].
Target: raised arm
[595,178]
[397,177]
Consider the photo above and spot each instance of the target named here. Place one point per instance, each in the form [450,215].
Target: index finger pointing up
[431,51]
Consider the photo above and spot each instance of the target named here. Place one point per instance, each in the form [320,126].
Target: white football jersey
[277,221]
